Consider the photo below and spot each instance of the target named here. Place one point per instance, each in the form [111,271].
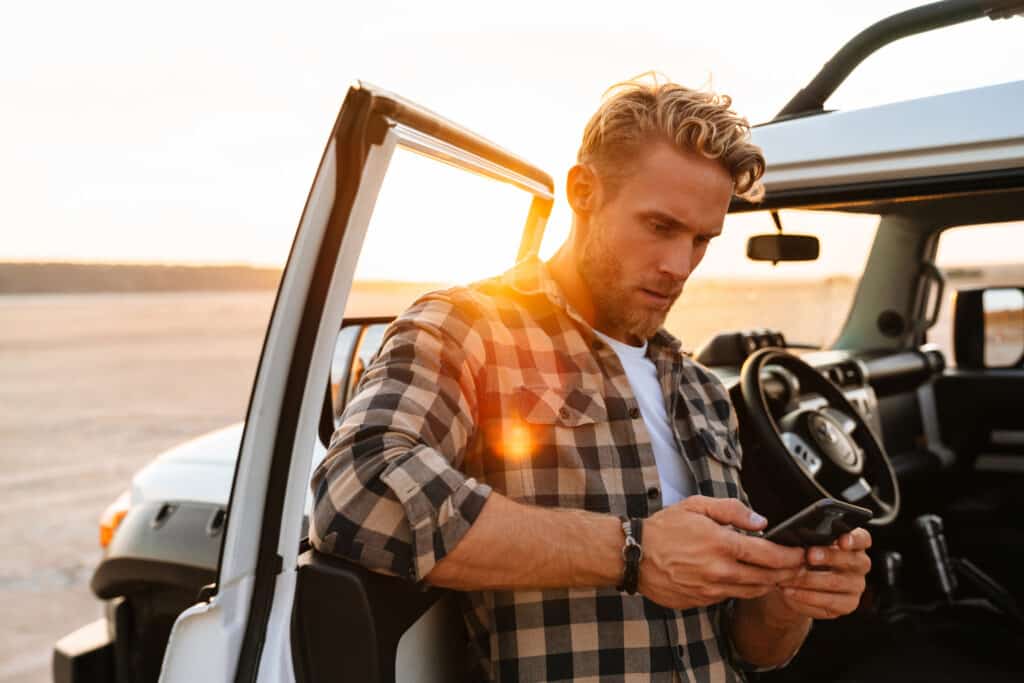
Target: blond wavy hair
[643,110]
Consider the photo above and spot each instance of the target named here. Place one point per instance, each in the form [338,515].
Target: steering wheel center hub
[834,443]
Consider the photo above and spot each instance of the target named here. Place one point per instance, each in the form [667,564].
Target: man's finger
[843,560]
[726,511]
[739,590]
[716,592]
[748,575]
[830,604]
[858,539]
[811,611]
[827,582]
[762,553]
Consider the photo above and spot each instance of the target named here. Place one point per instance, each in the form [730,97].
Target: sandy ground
[91,388]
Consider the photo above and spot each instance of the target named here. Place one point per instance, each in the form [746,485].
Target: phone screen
[819,524]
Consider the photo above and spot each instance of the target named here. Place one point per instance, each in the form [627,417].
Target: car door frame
[226,635]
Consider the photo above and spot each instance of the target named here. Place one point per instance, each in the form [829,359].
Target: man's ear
[582,189]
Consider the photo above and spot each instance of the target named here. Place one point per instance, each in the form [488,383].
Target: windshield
[807,301]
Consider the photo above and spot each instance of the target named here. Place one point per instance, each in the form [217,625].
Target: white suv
[210,538]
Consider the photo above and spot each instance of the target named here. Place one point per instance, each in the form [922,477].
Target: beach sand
[92,387]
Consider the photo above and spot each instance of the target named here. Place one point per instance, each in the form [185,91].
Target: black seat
[348,624]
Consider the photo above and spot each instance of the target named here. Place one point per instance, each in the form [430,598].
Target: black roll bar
[811,99]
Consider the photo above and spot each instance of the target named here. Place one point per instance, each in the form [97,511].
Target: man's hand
[832,583]
[693,558]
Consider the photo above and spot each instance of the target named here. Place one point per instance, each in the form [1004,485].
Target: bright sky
[190,132]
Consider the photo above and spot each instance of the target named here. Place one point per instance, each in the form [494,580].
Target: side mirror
[341,366]
[988,328]
[777,247]
[356,345]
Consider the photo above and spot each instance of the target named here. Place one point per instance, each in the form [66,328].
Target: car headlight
[112,516]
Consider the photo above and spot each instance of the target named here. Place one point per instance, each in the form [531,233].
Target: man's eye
[660,227]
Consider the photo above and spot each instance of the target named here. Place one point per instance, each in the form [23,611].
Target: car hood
[200,470]
[218,448]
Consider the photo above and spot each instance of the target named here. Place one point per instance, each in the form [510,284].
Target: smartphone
[819,524]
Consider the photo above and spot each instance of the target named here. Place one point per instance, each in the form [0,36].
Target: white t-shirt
[676,480]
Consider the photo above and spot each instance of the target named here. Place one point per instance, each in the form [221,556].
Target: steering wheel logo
[825,432]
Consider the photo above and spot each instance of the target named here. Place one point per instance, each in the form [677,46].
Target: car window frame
[258,552]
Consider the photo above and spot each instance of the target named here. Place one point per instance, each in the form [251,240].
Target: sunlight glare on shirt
[516,442]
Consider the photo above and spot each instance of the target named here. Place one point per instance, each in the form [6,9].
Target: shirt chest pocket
[570,441]
[720,446]
[705,434]
[713,451]
[721,466]
[566,407]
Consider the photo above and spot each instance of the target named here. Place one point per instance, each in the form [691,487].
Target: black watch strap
[632,553]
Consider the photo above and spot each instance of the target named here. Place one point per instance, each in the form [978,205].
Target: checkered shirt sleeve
[389,494]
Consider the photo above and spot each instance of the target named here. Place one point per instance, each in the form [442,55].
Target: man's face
[640,246]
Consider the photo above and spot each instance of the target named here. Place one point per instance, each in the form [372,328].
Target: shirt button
[563,413]
[634,412]
[653,492]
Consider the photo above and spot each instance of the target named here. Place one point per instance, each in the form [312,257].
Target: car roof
[956,133]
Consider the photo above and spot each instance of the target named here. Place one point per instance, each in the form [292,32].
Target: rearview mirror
[778,247]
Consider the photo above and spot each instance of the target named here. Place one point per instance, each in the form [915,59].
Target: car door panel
[982,422]
[325,248]
[980,412]
[246,622]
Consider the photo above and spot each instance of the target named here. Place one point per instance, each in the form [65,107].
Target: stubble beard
[614,312]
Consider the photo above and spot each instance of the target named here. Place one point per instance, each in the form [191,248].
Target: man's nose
[676,262]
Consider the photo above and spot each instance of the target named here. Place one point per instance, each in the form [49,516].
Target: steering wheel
[824,451]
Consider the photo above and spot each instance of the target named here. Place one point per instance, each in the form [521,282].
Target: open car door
[242,628]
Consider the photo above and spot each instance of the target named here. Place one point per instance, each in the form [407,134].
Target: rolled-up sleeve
[389,494]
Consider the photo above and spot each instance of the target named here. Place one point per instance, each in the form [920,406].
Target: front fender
[161,543]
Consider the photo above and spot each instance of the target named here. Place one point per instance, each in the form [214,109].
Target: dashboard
[891,390]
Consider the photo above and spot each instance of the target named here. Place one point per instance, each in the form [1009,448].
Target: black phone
[819,524]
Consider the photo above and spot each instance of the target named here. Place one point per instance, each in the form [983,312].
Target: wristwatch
[632,553]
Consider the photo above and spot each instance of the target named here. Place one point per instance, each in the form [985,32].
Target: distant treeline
[988,273]
[45,278]
[60,278]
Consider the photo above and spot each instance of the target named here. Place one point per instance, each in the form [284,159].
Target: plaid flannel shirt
[502,386]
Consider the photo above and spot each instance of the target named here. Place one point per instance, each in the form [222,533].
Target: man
[522,438]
